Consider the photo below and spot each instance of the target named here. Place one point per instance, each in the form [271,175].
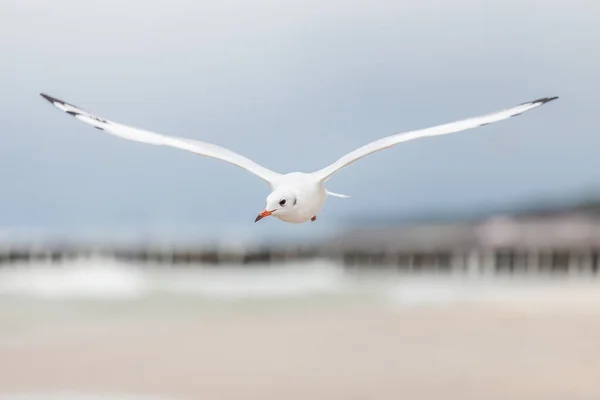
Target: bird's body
[295,197]
[308,193]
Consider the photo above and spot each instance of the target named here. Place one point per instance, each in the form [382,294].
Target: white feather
[452,127]
[157,139]
[343,196]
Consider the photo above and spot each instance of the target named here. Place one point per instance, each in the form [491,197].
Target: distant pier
[558,243]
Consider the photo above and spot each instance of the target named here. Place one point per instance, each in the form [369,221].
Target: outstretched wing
[157,139]
[457,126]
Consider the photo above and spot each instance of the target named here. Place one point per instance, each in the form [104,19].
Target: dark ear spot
[295,201]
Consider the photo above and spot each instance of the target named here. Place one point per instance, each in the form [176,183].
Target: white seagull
[295,197]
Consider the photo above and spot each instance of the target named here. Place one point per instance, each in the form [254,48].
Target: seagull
[295,197]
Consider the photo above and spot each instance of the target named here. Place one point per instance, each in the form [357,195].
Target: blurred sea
[105,281]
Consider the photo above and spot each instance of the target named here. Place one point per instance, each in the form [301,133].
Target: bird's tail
[343,196]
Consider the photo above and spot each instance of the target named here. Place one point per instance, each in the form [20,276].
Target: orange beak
[263,214]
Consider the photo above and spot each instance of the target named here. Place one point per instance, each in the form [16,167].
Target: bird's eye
[282,203]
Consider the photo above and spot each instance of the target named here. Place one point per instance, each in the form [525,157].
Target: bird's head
[280,202]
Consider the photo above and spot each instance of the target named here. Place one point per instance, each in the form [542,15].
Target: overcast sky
[293,85]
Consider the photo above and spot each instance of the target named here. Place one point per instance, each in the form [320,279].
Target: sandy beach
[332,350]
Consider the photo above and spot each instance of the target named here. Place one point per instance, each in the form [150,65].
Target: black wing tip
[52,99]
[543,100]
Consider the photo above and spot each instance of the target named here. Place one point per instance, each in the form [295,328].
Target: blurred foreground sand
[337,350]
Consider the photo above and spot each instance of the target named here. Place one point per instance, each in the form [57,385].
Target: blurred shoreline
[335,336]
[98,279]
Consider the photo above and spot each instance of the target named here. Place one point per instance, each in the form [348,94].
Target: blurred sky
[293,85]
